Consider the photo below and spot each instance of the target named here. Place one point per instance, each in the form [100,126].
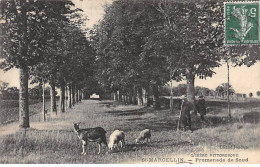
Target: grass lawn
[9,109]
[55,142]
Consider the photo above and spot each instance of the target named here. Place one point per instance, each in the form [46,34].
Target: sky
[243,79]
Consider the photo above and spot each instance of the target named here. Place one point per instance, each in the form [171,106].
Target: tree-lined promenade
[138,47]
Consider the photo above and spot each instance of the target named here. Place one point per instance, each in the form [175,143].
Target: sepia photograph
[129,82]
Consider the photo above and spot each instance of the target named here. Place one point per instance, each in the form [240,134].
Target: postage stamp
[241,22]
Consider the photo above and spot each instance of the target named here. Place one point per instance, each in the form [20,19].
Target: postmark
[241,23]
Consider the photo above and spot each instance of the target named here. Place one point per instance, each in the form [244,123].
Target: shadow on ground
[128,112]
[251,117]
[154,144]
[242,105]
[160,120]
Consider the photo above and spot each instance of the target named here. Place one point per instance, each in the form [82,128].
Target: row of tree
[181,89]
[45,41]
[142,45]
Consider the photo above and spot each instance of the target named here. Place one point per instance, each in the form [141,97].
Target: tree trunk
[69,96]
[139,97]
[123,99]
[134,100]
[113,96]
[229,111]
[53,99]
[43,102]
[190,77]
[130,100]
[79,95]
[144,96]
[149,102]
[23,99]
[76,94]
[171,99]
[66,97]
[62,99]
[156,99]
[148,97]
[73,94]
[82,95]
[24,121]
[119,95]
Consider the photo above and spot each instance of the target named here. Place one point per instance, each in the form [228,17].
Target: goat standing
[97,134]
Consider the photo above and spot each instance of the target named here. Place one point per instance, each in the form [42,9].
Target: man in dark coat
[185,117]
[201,107]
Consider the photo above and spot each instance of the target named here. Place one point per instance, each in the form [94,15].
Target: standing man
[201,107]
[185,117]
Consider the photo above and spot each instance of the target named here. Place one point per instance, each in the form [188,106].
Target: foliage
[118,41]
[224,88]
[250,94]
[3,85]
[181,89]
[36,92]
[24,29]
[11,93]
[140,43]
[194,27]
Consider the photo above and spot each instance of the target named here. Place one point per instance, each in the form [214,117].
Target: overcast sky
[243,79]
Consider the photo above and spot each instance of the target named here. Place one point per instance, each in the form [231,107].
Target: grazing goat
[145,134]
[116,137]
[97,134]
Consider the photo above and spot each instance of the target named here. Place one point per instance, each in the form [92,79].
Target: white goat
[116,137]
[145,134]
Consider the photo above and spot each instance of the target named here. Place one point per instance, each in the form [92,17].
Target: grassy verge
[9,109]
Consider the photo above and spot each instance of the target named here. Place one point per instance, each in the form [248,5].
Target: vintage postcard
[129,82]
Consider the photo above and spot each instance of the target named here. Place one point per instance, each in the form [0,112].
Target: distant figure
[185,118]
[201,107]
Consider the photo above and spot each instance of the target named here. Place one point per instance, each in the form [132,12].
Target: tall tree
[194,27]
[23,32]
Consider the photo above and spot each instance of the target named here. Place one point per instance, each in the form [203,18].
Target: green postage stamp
[241,22]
